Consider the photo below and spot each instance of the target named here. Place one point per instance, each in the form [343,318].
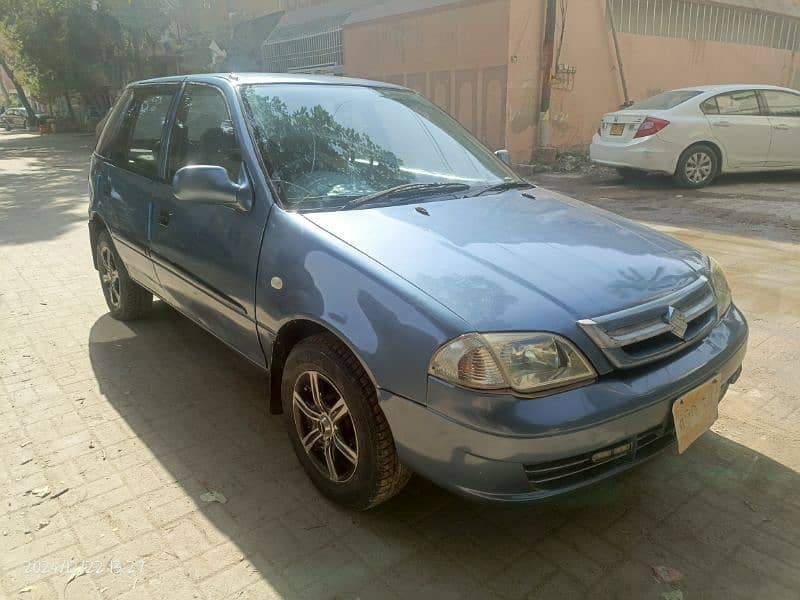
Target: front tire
[126,299]
[698,166]
[338,430]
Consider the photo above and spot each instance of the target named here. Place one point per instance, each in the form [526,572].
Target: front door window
[203,133]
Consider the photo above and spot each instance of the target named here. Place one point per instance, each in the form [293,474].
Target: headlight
[524,362]
[719,283]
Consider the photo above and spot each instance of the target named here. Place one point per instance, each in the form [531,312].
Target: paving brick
[570,560]
[522,576]
[214,560]
[230,580]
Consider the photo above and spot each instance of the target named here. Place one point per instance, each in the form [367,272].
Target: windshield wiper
[403,190]
[506,185]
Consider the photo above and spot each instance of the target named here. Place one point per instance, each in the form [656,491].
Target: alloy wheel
[699,167]
[324,426]
[109,275]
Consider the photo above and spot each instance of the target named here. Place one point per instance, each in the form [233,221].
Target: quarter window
[134,142]
[733,103]
[111,139]
[203,133]
[782,104]
[710,107]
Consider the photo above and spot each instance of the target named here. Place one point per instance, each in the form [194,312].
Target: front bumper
[502,448]
[646,154]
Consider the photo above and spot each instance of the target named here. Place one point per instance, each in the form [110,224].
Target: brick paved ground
[135,421]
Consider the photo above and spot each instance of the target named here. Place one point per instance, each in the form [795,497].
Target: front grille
[639,335]
[577,469]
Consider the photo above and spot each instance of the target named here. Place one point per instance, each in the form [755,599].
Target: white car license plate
[695,412]
[617,128]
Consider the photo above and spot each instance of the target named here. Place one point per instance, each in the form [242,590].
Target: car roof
[270,78]
[733,87]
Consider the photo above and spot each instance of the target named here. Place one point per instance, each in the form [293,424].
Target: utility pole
[620,67]
[548,48]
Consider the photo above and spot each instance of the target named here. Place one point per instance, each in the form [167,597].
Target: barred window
[319,51]
[698,20]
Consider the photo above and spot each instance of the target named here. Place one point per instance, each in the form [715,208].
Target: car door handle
[163,217]
[781,127]
[721,123]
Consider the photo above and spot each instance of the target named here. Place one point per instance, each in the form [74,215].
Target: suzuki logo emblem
[676,321]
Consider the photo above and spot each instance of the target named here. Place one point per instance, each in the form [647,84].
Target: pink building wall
[651,64]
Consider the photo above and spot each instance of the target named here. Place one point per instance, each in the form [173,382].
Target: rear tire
[698,167]
[338,430]
[126,299]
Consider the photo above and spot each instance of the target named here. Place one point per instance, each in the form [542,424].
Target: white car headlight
[719,284]
[524,362]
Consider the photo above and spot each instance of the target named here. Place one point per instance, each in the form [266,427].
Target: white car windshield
[325,145]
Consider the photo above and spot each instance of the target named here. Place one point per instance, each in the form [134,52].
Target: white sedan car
[697,133]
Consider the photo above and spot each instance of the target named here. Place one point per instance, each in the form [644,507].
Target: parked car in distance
[14,118]
[696,133]
[417,306]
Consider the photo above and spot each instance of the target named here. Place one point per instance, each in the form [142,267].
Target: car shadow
[722,514]
[659,181]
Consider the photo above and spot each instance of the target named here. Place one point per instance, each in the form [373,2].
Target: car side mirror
[209,184]
[504,155]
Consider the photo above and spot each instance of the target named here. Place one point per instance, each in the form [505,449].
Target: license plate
[617,128]
[695,412]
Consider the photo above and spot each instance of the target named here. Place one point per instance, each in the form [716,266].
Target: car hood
[515,261]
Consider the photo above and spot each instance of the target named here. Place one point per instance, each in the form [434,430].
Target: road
[110,433]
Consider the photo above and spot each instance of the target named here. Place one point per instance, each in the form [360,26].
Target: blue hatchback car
[417,306]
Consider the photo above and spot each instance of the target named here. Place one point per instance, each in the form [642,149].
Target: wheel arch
[291,333]
[96,226]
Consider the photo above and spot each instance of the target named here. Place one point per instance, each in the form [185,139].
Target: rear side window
[133,140]
[666,100]
[782,104]
[110,138]
[733,103]
[203,133]
[143,149]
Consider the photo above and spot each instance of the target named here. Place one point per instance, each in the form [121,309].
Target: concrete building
[484,60]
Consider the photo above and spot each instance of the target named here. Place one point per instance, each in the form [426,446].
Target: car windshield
[666,100]
[326,145]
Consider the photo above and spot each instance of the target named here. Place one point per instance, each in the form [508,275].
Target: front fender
[392,327]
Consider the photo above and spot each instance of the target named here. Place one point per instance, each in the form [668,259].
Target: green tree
[12,61]
[58,47]
[55,43]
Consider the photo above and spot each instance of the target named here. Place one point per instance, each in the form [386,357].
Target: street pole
[548,48]
[620,67]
